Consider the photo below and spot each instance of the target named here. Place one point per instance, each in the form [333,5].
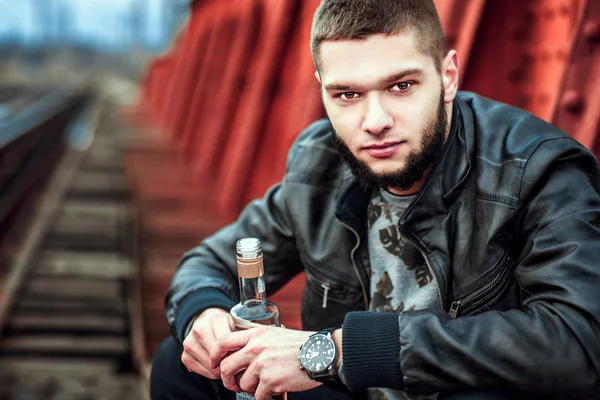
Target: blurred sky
[104,24]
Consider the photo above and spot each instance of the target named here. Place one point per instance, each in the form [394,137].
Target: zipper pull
[325,286]
[454,308]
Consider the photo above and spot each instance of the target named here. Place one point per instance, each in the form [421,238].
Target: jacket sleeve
[551,344]
[207,275]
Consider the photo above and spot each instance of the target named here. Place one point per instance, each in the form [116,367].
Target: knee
[170,379]
[166,369]
[167,356]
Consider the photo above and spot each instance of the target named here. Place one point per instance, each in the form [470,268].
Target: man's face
[386,102]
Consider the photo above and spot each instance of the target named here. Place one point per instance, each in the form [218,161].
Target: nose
[376,119]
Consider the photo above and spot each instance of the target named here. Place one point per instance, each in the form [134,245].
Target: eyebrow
[385,81]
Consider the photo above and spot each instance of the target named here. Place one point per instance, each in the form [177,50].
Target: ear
[318,77]
[450,75]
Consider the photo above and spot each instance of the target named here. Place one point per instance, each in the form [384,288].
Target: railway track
[68,305]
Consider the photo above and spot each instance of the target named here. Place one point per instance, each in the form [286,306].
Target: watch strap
[340,373]
[325,331]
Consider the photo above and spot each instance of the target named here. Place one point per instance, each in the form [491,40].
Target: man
[450,241]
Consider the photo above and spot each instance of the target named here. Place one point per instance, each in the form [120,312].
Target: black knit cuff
[196,302]
[371,350]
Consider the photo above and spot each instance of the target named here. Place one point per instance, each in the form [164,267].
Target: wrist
[212,310]
[193,305]
[337,339]
[204,313]
[339,363]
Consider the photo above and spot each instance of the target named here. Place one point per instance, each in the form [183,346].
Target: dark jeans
[170,380]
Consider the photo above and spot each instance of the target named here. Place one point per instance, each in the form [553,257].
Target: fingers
[261,393]
[201,336]
[248,381]
[228,343]
[262,360]
[202,339]
[228,376]
[194,366]
[210,328]
[237,372]
[264,391]
[199,341]
[198,353]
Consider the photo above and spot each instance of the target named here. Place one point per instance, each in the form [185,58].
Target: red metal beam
[578,109]
[520,52]
[460,19]
[187,66]
[245,139]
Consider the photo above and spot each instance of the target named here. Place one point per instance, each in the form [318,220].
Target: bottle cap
[248,248]
[249,258]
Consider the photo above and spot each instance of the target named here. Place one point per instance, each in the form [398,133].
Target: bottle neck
[252,286]
[252,289]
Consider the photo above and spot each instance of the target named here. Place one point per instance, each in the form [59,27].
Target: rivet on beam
[591,30]
[572,101]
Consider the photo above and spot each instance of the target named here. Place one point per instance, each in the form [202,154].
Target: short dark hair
[358,19]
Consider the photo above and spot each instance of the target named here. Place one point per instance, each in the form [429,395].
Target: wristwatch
[318,356]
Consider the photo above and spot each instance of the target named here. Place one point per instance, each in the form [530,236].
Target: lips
[383,150]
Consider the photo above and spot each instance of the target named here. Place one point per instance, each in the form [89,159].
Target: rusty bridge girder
[213,92]
[578,109]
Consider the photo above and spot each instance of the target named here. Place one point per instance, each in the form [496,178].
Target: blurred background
[48,38]
[130,130]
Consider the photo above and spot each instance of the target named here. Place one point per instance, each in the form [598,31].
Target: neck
[252,289]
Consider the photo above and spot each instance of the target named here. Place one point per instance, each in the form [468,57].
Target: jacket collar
[461,152]
[439,191]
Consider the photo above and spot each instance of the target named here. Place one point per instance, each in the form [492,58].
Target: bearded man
[450,242]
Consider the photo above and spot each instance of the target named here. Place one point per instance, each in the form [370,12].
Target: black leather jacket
[508,223]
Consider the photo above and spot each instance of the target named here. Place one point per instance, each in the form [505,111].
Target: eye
[401,87]
[347,95]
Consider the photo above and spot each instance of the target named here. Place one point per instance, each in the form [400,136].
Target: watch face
[317,353]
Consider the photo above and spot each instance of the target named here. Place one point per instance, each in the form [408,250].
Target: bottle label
[250,268]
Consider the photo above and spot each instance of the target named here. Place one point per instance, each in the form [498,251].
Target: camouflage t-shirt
[400,278]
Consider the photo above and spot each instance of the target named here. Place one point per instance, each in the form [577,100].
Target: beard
[417,163]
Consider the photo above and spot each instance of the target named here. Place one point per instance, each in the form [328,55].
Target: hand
[209,326]
[262,361]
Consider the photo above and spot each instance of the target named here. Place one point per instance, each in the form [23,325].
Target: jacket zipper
[426,258]
[326,288]
[362,285]
[450,138]
[497,284]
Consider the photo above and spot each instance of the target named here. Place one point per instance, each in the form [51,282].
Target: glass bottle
[253,308]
